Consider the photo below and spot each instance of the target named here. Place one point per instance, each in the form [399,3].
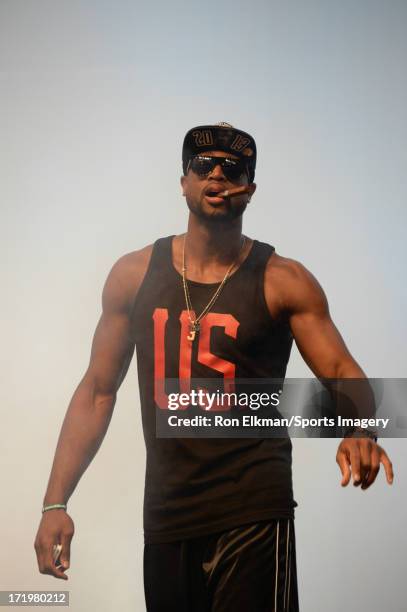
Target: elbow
[348,368]
[94,396]
[104,401]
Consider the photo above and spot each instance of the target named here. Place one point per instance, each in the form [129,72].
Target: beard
[225,213]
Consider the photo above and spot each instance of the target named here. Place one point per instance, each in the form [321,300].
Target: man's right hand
[56,527]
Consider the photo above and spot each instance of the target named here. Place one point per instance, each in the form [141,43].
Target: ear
[182,181]
[252,188]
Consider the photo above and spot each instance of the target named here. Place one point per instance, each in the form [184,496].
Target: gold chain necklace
[194,324]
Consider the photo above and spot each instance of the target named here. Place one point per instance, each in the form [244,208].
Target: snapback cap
[220,137]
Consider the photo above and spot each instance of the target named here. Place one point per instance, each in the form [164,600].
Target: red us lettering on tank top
[213,319]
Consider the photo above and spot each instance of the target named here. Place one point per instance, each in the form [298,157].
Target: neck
[208,243]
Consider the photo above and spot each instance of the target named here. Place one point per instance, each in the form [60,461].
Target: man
[218,513]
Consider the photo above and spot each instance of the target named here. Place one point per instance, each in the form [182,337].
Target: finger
[56,556]
[342,461]
[374,467]
[355,463]
[48,566]
[65,556]
[388,466]
[56,551]
[365,450]
[38,551]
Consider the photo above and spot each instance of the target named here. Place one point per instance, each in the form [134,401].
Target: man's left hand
[361,458]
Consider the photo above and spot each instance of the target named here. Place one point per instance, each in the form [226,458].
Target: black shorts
[251,568]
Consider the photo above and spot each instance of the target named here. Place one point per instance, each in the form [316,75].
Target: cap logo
[202,138]
[239,142]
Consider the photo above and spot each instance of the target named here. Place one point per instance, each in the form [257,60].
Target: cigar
[233,192]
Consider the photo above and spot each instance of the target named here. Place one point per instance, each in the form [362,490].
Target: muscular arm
[294,293]
[91,407]
[302,300]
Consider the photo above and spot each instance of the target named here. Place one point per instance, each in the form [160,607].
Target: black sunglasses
[203,165]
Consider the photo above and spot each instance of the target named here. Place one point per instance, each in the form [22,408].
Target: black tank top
[196,486]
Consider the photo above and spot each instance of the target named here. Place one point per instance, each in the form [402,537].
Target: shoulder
[125,278]
[291,286]
[286,269]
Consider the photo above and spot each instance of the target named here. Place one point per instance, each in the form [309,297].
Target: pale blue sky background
[95,100]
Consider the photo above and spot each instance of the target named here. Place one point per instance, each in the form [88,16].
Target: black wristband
[361,432]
